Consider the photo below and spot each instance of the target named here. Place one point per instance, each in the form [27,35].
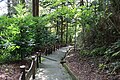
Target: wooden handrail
[33,68]
[26,74]
[20,78]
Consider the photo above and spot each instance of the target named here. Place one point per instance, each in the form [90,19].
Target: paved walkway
[51,69]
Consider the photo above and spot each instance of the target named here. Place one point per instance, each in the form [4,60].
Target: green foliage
[102,66]
[98,51]
[95,52]
[114,67]
[98,21]
[14,32]
[21,33]
[114,50]
[8,32]
[43,35]
[88,17]
[97,29]
[60,9]
[85,53]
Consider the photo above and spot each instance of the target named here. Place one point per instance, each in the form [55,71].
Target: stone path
[51,69]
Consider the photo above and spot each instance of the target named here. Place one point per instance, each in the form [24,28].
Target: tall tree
[9,8]
[35,8]
[62,33]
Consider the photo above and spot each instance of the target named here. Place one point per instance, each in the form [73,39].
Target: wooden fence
[26,74]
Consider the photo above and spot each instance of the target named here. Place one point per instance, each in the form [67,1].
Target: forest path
[51,69]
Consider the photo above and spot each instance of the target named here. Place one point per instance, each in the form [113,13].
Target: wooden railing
[26,74]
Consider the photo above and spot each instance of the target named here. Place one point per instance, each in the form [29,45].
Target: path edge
[70,72]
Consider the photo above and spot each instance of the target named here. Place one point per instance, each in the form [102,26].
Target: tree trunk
[75,39]
[67,33]
[57,28]
[35,7]
[9,8]
[61,29]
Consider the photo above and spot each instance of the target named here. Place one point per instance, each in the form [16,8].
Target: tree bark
[9,8]
[67,33]
[35,7]
[61,29]
[57,28]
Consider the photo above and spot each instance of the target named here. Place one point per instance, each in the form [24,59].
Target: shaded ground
[86,68]
[51,69]
[11,70]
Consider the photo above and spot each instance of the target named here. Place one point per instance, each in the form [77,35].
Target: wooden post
[54,47]
[33,60]
[37,59]
[40,57]
[22,68]
[47,51]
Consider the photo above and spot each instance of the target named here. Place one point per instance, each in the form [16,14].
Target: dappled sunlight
[65,49]
[69,55]
[31,30]
[53,70]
